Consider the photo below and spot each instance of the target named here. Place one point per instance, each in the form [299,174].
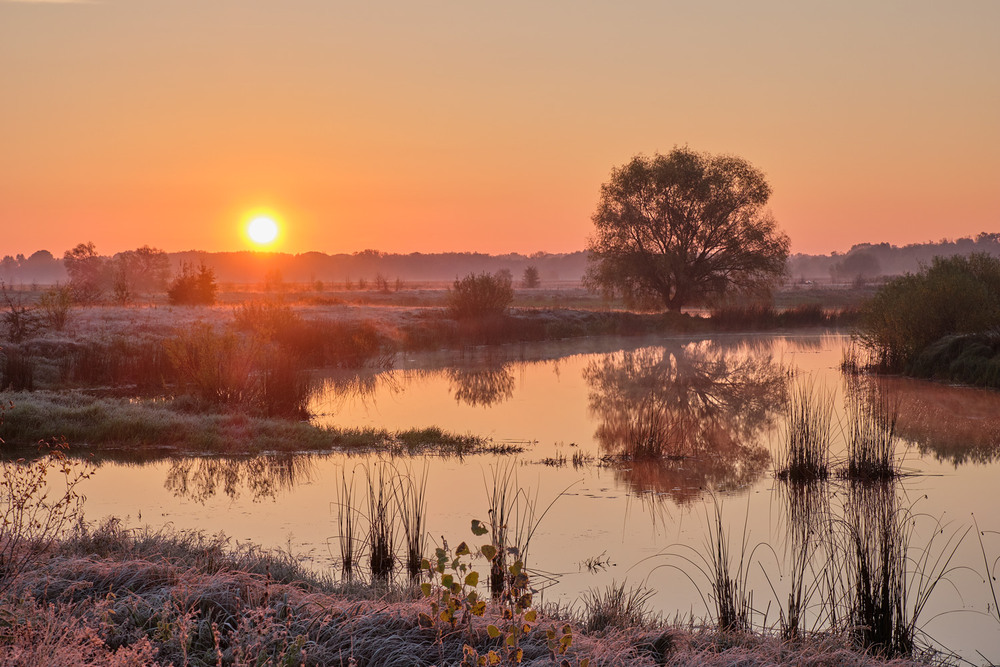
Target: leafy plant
[455,601]
[480,296]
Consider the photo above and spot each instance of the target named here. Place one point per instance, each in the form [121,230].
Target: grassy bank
[93,424]
[115,597]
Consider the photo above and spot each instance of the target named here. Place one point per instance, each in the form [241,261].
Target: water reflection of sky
[582,396]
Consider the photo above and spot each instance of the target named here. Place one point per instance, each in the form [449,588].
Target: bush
[954,295]
[481,296]
[55,304]
[193,288]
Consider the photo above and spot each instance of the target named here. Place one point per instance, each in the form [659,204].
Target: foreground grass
[114,597]
[97,424]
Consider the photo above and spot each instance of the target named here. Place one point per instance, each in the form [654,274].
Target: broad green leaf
[447,580]
[472,579]
[425,588]
[489,551]
[462,550]
[531,616]
[493,631]
[478,527]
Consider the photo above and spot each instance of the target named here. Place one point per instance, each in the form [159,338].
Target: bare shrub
[35,509]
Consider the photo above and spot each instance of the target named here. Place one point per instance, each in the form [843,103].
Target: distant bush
[481,296]
[55,304]
[531,279]
[193,288]
[954,295]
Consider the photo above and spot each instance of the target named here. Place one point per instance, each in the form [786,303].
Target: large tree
[683,228]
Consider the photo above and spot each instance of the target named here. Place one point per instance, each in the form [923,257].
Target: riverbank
[110,596]
[160,426]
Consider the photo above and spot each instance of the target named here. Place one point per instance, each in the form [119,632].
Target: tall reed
[730,588]
[514,518]
[871,444]
[807,522]
[888,581]
[381,522]
[347,533]
[809,413]
[411,504]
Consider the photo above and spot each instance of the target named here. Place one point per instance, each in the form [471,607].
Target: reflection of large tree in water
[201,478]
[686,418]
[482,385]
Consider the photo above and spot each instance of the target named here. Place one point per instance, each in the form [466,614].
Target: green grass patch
[102,423]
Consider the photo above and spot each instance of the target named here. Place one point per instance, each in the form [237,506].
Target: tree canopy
[683,228]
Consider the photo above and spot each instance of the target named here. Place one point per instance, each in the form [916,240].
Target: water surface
[711,406]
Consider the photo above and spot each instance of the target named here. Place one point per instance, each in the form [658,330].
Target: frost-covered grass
[114,597]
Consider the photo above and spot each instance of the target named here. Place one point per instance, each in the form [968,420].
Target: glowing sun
[262,230]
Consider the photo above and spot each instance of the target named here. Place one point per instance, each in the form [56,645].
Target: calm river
[715,406]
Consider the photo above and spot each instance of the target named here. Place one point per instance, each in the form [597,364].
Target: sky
[429,126]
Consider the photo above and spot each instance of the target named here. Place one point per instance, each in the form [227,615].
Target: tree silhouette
[684,227]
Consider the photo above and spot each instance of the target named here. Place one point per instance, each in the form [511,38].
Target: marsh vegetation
[639,430]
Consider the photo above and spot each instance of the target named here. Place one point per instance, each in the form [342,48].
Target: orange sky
[472,125]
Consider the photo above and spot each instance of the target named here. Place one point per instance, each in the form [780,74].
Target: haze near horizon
[478,127]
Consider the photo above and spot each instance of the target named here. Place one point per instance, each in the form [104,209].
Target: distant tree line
[360,268]
[865,262]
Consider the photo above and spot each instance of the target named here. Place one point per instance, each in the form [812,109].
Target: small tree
[21,320]
[481,296]
[89,273]
[140,271]
[530,279]
[193,288]
[685,227]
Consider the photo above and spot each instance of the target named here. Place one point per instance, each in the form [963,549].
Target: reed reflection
[688,418]
[262,477]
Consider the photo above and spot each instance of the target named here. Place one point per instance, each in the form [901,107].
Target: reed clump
[808,420]
[871,435]
[384,526]
[618,607]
